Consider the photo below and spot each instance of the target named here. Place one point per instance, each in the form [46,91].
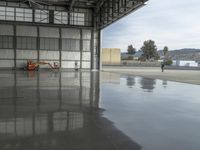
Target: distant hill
[183,54]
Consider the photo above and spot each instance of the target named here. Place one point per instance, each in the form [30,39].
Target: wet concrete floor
[157,114]
[96,111]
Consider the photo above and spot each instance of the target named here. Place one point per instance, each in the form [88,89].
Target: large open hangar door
[63,31]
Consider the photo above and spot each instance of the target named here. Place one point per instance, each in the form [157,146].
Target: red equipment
[31,66]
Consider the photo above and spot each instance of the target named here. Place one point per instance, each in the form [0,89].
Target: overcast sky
[174,23]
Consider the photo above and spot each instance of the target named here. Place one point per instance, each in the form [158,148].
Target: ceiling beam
[99,4]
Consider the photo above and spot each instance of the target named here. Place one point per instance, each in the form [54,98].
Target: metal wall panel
[26,31]
[49,32]
[86,45]
[6,54]
[70,55]
[6,63]
[86,65]
[86,34]
[49,55]
[71,45]
[6,29]
[69,64]
[70,33]
[86,56]
[26,54]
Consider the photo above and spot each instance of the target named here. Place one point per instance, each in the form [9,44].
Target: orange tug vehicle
[32,66]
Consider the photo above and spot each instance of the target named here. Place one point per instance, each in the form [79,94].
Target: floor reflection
[130,81]
[158,114]
[47,110]
[164,83]
[147,84]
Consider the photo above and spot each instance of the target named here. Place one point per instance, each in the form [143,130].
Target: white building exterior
[185,63]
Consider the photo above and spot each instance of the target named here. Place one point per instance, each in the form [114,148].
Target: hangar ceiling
[104,12]
[65,3]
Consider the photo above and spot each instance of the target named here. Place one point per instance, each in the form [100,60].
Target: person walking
[162,66]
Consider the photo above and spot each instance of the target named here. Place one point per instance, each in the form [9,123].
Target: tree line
[150,52]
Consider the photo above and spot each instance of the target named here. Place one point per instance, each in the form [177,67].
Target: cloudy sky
[175,23]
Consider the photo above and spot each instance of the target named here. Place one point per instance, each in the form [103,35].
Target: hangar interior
[56,109]
[63,31]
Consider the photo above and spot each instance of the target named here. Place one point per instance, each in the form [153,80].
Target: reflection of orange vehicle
[31,66]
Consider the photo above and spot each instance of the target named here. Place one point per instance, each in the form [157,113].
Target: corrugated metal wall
[22,54]
[69,56]
[67,46]
[7,54]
